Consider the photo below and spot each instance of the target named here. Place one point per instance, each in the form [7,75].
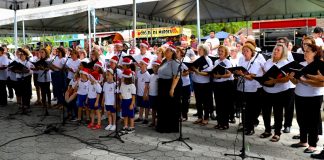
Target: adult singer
[168,93]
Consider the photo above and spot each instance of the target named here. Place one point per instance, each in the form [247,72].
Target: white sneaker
[113,128]
[103,117]
[108,127]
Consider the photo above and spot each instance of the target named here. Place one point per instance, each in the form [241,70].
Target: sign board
[159,32]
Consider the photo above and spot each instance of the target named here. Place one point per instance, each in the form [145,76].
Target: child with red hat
[82,87]
[142,100]
[93,100]
[109,99]
[152,90]
[127,95]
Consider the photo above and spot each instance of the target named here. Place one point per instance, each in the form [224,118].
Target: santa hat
[118,42]
[132,51]
[156,62]
[95,76]
[127,73]
[173,48]
[114,59]
[98,64]
[145,60]
[126,61]
[145,44]
[85,71]
[110,70]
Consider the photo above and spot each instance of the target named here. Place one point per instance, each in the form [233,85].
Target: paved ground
[145,143]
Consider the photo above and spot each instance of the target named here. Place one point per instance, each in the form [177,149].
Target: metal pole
[198,22]
[151,34]
[146,33]
[89,29]
[23,27]
[247,28]
[15,26]
[134,22]
[94,24]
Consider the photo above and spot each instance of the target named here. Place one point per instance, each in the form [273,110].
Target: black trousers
[10,88]
[204,99]
[308,115]
[168,109]
[3,92]
[248,99]
[46,92]
[277,101]
[223,101]
[25,90]
[289,109]
[185,100]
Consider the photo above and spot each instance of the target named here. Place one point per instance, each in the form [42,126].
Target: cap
[114,59]
[145,44]
[85,71]
[127,73]
[95,76]
[118,42]
[126,61]
[98,64]
[145,60]
[173,48]
[156,62]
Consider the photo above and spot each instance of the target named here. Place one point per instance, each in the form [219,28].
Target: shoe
[298,145]
[275,138]
[112,128]
[145,121]
[74,120]
[204,123]
[98,126]
[249,133]
[130,130]
[265,135]
[108,127]
[318,156]
[232,121]
[124,130]
[90,125]
[307,150]
[286,130]
[198,121]
[138,120]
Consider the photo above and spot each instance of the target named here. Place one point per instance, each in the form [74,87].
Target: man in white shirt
[213,42]
[317,34]
[144,46]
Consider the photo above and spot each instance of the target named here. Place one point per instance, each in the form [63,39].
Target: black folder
[200,63]
[17,67]
[274,72]
[233,69]
[219,69]
[311,69]
[41,64]
[299,57]
[292,67]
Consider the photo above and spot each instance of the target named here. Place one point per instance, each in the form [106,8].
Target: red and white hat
[110,70]
[95,76]
[173,48]
[127,73]
[126,61]
[145,60]
[145,44]
[85,71]
[114,59]
[118,42]
[98,64]
[156,62]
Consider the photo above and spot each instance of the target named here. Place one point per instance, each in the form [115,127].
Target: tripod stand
[116,134]
[243,154]
[180,138]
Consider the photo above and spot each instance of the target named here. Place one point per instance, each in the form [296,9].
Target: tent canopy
[117,15]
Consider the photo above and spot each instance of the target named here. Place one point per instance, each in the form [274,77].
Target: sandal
[223,127]
[308,150]
[203,123]
[198,121]
[217,126]
[298,145]
[275,138]
[265,135]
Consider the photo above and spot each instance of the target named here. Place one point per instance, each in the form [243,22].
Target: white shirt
[214,42]
[139,57]
[278,87]
[44,76]
[93,90]
[153,85]
[127,91]
[256,68]
[306,90]
[74,65]
[319,42]
[142,79]
[185,79]
[73,82]
[228,64]
[4,61]
[83,87]
[109,90]
[59,62]
[203,79]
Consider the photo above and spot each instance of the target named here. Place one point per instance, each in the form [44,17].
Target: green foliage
[230,27]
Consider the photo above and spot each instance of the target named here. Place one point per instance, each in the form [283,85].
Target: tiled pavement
[207,142]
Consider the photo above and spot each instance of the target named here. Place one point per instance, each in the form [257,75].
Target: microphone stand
[180,138]
[116,134]
[243,154]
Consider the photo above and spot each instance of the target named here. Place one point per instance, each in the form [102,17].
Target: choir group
[161,83]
